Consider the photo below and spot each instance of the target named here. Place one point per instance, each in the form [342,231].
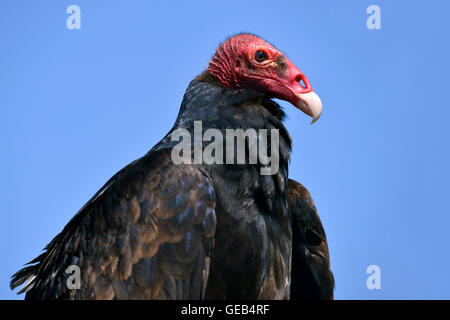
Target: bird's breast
[252,252]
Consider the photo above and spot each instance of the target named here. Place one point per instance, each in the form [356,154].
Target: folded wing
[311,274]
[146,234]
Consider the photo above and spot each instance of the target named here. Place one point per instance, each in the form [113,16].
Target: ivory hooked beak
[310,104]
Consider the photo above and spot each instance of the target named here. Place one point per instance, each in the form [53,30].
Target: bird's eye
[260,56]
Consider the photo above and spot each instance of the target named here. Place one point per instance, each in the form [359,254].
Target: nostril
[303,81]
[302,84]
[300,79]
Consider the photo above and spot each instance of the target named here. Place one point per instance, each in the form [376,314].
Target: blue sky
[78,105]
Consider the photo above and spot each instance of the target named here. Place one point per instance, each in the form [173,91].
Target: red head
[246,61]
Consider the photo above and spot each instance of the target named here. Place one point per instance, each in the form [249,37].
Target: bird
[167,229]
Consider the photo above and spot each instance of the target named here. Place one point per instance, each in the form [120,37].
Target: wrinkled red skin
[235,67]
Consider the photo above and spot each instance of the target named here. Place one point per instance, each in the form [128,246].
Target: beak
[310,104]
[302,95]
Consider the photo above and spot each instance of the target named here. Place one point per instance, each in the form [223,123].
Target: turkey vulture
[159,229]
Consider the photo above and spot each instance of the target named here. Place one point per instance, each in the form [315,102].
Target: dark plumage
[311,276]
[158,230]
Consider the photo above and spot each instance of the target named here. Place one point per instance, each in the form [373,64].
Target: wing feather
[144,235]
[311,274]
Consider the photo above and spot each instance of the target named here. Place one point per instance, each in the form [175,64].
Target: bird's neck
[206,76]
[217,107]
[239,95]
